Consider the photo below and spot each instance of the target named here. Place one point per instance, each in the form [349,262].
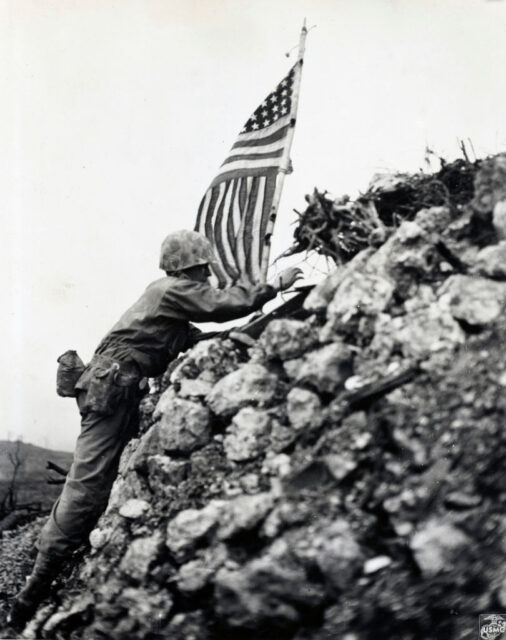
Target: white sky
[115,115]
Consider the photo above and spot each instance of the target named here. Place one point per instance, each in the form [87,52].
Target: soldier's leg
[89,481]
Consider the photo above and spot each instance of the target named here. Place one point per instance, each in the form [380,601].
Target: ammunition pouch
[106,382]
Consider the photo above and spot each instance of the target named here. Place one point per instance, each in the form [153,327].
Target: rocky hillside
[343,477]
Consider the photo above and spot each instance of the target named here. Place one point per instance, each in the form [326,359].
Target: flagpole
[285,160]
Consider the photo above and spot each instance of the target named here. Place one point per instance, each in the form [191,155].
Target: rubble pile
[342,478]
[339,228]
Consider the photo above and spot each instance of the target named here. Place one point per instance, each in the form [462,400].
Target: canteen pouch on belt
[70,369]
[103,393]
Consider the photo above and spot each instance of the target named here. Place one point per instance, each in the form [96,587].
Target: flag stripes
[235,210]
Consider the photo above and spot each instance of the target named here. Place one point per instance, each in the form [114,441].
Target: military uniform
[141,344]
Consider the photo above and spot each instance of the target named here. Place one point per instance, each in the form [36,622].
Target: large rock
[287,339]
[325,369]
[244,513]
[210,359]
[334,550]
[190,526]
[268,591]
[303,408]
[141,555]
[361,292]
[436,546]
[251,384]
[247,437]
[184,425]
[197,574]
[419,333]
[491,261]
[476,301]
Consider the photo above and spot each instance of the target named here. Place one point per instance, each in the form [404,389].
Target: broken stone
[99,537]
[491,260]
[361,292]
[338,554]
[190,526]
[287,339]
[436,545]
[320,297]
[251,384]
[141,555]
[476,301]
[193,576]
[264,591]
[184,425]
[303,408]
[247,435]
[194,388]
[277,465]
[244,513]
[326,369]
[134,508]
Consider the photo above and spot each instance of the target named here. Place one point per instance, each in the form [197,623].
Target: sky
[115,116]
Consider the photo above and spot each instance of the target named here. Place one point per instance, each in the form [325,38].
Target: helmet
[185,249]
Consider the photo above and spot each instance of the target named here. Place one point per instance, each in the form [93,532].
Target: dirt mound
[343,478]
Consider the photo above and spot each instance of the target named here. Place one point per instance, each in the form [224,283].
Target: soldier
[141,344]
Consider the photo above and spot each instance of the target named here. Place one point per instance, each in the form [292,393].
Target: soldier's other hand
[287,278]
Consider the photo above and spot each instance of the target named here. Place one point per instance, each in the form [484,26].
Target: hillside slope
[343,478]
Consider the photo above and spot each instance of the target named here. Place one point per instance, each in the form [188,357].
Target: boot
[26,602]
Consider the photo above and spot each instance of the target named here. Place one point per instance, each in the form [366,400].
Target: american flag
[235,210]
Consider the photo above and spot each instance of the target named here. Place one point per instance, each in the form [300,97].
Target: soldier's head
[187,254]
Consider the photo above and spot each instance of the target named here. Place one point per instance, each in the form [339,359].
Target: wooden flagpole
[285,160]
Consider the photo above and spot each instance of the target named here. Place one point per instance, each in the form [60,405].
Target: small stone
[340,465]
[99,537]
[193,576]
[461,500]
[277,465]
[246,437]
[134,508]
[376,564]
[303,408]
[250,483]
[250,385]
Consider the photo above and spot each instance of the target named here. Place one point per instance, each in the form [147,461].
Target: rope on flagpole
[285,160]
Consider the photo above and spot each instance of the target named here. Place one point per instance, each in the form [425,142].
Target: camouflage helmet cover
[185,249]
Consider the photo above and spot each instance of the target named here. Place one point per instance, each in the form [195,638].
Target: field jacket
[157,327]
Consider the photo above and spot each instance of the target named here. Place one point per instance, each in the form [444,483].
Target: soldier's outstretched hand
[287,278]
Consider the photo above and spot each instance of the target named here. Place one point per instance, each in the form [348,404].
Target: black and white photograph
[253,273]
